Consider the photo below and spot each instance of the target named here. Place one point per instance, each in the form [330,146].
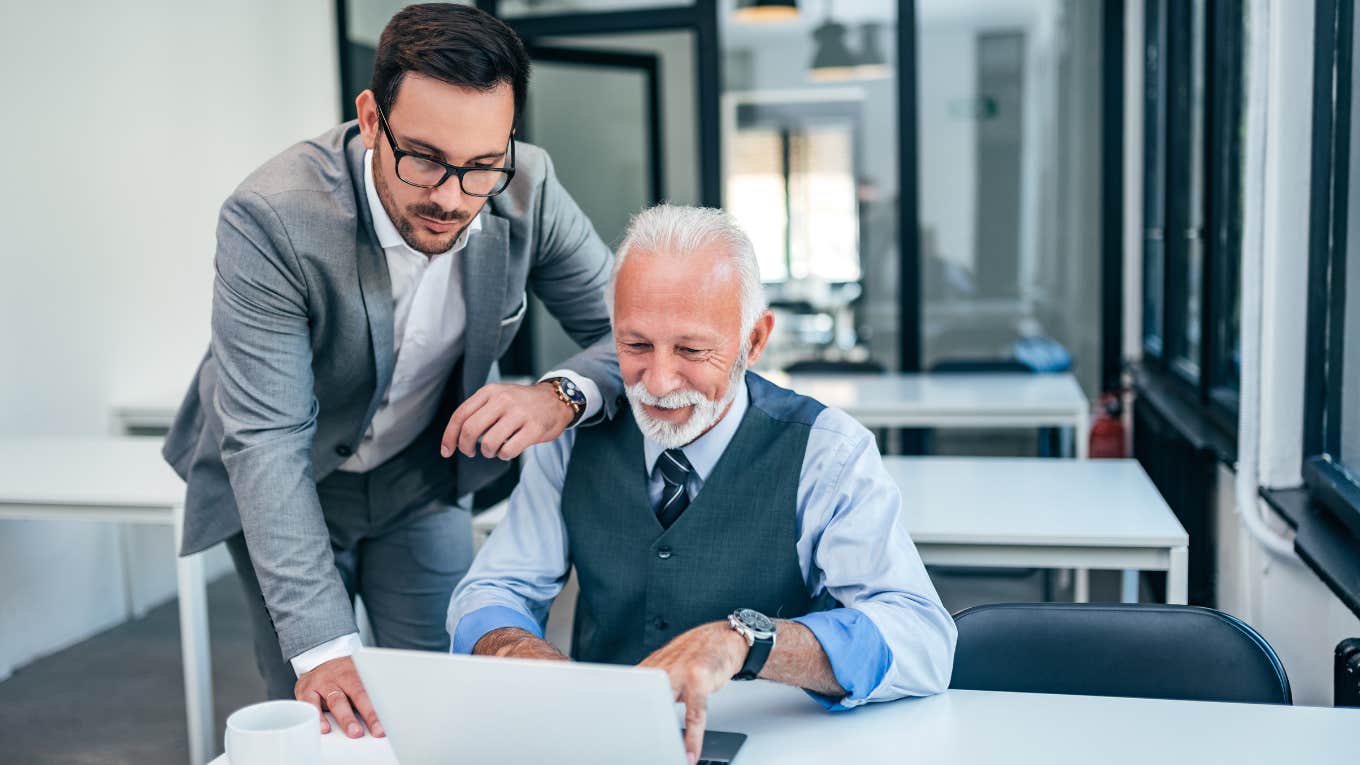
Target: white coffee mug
[274,733]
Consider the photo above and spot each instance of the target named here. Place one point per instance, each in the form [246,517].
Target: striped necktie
[675,470]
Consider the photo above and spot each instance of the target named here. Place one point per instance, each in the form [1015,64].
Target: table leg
[1081,585]
[1128,586]
[125,561]
[195,651]
[1178,576]
[1083,435]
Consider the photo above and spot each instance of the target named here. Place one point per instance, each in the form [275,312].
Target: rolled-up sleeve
[522,567]
[892,637]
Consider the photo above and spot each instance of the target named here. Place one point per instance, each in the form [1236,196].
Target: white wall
[127,125]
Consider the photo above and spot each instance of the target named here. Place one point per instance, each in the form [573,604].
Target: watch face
[571,391]
[757,621]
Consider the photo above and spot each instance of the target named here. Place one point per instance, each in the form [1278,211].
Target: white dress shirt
[429,319]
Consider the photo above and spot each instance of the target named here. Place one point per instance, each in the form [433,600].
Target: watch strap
[755,659]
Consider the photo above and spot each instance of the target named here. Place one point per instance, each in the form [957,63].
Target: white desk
[784,727]
[986,511]
[145,414]
[153,413]
[894,400]
[963,400]
[121,481]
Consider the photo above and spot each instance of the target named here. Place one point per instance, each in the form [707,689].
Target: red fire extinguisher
[1107,432]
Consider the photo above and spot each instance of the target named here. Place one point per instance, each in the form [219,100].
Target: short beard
[704,415]
[407,229]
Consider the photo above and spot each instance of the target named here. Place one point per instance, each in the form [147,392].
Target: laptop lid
[443,708]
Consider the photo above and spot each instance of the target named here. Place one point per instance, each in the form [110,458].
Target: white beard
[704,414]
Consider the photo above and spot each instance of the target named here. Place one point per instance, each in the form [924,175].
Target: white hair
[676,231]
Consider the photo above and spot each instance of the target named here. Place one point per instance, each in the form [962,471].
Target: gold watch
[570,394]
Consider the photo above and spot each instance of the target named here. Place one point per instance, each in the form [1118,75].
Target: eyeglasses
[426,172]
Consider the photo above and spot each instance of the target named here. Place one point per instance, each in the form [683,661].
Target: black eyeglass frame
[449,170]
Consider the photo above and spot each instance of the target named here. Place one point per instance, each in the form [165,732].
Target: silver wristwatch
[759,631]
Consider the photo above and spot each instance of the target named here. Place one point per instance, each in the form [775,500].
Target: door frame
[650,66]
[699,18]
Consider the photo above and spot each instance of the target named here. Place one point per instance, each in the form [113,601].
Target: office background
[1033,136]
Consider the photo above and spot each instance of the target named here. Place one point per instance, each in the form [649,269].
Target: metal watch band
[577,407]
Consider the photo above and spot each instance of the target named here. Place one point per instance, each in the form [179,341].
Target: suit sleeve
[570,273]
[262,342]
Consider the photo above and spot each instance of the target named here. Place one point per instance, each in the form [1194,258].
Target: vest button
[344,451]
[663,553]
[660,623]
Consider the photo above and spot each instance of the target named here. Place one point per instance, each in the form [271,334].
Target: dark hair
[457,44]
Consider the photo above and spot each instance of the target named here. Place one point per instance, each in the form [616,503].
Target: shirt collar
[703,453]
[388,236]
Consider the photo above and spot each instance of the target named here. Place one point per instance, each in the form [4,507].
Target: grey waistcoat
[734,547]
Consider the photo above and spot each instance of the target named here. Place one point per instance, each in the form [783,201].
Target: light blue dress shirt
[892,637]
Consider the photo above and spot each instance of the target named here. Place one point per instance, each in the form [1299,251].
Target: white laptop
[441,708]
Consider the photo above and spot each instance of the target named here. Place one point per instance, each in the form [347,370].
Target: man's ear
[366,106]
[759,337]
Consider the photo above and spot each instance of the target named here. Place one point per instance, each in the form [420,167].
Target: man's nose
[662,376]
[448,195]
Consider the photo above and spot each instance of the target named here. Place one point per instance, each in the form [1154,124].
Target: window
[1192,212]
[1332,422]
[792,187]
[1010,119]
[811,155]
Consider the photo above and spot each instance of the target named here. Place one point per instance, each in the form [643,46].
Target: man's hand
[508,419]
[513,642]
[699,663]
[335,686]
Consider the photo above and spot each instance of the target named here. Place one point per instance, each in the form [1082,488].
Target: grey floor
[117,698]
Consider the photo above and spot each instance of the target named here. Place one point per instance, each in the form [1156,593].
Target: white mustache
[678,399]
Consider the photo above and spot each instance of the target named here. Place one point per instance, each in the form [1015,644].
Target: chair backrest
[1135,650]
[834,366]
[976,366]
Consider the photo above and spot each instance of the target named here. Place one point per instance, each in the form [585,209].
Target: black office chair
[1139,650]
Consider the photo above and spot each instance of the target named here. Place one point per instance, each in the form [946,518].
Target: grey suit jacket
[301,355]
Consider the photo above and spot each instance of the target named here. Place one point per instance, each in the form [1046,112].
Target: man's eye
[690,351]
[637,346]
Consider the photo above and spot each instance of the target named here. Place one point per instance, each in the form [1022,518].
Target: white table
[152,413]
[952,400]
[145,414]
[990,511]
[120,481]
[783,726]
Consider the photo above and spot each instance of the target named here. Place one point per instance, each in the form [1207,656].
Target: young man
[367,281]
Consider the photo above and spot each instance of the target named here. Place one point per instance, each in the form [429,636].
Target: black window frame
[1209,384]
[1330,483]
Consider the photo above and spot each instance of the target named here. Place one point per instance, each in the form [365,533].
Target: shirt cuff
[475,624]
[594,401]
[860,658]
[310,659]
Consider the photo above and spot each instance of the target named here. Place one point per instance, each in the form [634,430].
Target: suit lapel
[375,284]
[483,265]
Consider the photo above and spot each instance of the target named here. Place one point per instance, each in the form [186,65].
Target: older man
[720,526]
